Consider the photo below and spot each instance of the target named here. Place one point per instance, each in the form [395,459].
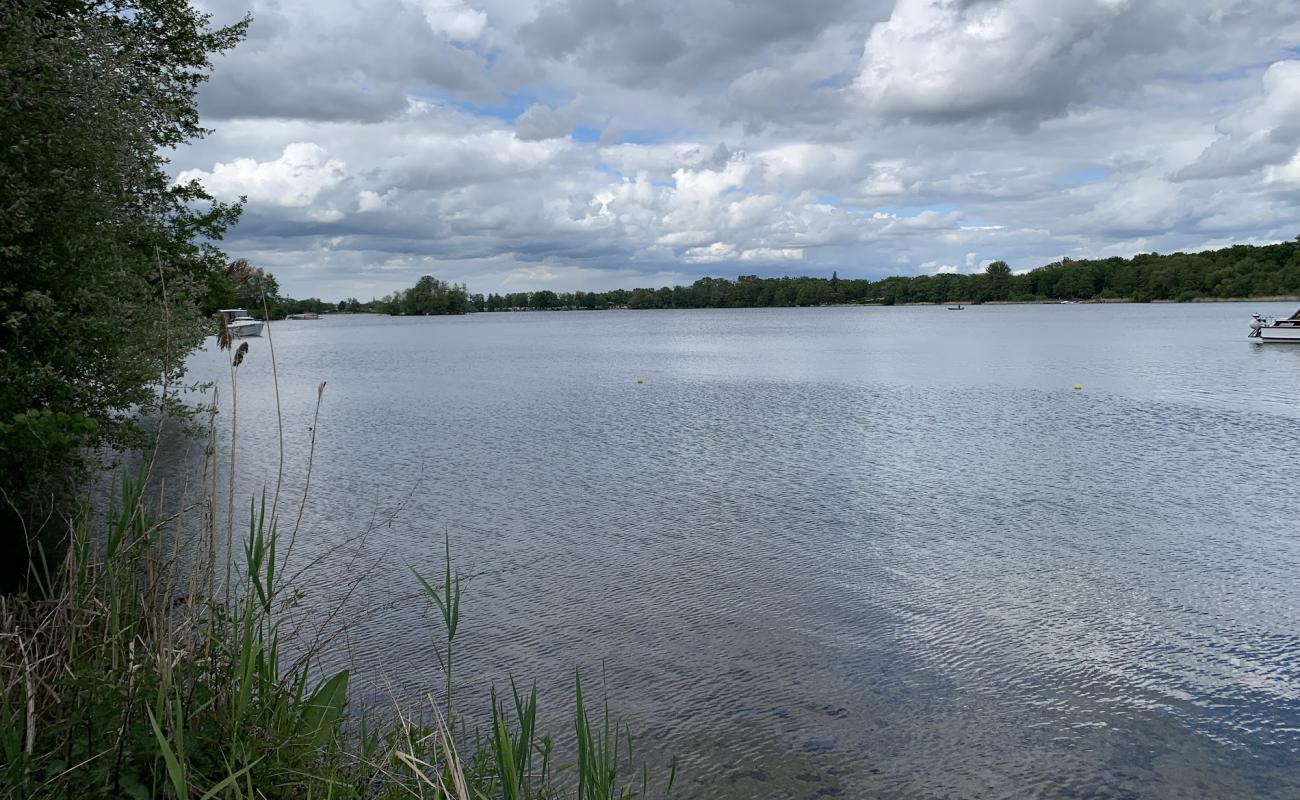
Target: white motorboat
[240,324]
[1275,330]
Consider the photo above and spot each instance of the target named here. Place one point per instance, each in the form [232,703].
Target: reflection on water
[827,552]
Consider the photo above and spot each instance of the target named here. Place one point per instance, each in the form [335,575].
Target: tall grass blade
[175,771]
[324,709]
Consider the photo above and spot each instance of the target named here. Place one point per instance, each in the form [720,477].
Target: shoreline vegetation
[1237,273]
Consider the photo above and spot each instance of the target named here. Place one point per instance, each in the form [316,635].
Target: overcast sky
[592,144]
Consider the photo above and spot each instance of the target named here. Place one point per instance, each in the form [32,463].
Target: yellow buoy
[1078,387]
[640,380]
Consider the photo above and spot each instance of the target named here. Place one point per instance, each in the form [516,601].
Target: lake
[858,552]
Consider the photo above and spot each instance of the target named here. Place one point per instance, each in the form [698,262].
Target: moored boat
[1275,330]
[304,315]
[240,324]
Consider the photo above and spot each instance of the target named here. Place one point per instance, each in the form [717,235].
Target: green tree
[103,260]
[242,285]
[429,296]
[998,282]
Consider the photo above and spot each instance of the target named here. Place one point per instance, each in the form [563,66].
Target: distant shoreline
[1286,298]
[1278,298]
[1095,301]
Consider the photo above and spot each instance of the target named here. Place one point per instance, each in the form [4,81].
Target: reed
[138,672]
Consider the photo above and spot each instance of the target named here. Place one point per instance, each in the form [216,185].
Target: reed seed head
[223,332]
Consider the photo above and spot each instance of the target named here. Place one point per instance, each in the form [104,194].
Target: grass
[134,669]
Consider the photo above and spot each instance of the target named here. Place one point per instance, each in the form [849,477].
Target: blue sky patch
[586,134]
[1081,177]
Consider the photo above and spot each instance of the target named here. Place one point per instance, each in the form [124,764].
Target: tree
[999,270]
[998,276]
[429,296]
[242,285]
[103,261]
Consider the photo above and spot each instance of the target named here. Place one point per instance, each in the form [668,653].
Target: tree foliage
[428,296]
[242,285]
[1239,271]
[103,260]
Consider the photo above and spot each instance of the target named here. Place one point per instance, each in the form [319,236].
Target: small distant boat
[958,307]
[1275,330]
[240,324]
[304,315]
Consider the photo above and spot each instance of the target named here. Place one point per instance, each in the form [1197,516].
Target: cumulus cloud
[682,46]
[294,180]
[369,200]
[952,58]
[1284,173]
[718,251]
[935,268]
[1265,134]
[328,61]
[454,19]
[1031,60]
[772,254]
[541,121]
[631,38]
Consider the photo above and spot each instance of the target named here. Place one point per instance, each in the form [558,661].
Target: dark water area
[856,552]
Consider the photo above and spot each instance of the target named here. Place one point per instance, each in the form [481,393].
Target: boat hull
[243,330]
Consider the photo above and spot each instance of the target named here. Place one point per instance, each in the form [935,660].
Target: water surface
[866,552]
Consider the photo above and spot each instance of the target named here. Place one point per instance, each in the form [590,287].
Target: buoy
[1078,387]
[640,380]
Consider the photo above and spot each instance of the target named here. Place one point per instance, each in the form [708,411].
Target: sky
[600,144]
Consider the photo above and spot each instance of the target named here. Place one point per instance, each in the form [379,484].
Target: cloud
[684,45]
[294,180]
[326,61]
[1028,58]
[1265,134]
[629,38]
[540,122]
[1284,173]
[369,200]
[772,254]
[453,19]
[1031,60]
[718,251]
[935,268]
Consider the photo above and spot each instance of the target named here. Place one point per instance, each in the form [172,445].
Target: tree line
[1238,271]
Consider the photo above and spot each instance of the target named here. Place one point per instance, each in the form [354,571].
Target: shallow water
[855,551]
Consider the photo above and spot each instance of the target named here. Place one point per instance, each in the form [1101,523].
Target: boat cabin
[1292,321]
[232,314]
